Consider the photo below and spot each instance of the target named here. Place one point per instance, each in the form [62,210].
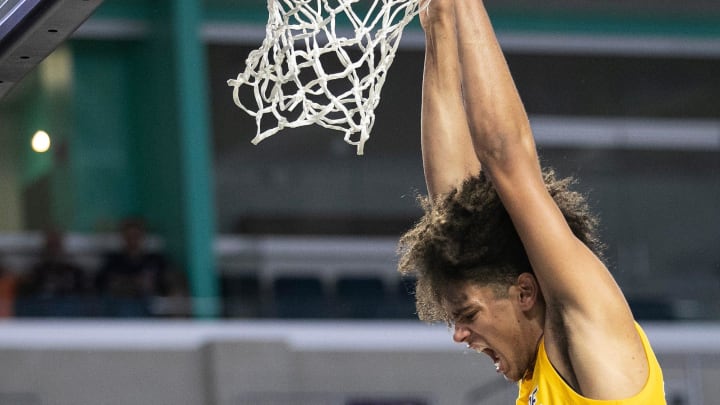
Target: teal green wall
[100,149]
[173,143]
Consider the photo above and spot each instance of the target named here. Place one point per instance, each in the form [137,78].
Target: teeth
[497,365]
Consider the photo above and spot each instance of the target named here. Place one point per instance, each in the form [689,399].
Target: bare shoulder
[600,355]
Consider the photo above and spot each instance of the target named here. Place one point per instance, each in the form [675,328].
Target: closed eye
[471,316]
[467,317]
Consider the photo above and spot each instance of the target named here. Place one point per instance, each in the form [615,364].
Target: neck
[528,374]
[535,332]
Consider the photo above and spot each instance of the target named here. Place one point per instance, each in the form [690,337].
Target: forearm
[498,122]
[503,140]
[448,154]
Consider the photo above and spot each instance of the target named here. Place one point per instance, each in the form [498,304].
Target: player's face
[493,326]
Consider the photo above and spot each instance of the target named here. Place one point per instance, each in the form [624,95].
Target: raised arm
[589,330]
[448,154]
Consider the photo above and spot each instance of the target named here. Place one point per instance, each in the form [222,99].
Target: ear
[529,290]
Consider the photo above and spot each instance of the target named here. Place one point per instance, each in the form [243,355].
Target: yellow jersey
[546,387]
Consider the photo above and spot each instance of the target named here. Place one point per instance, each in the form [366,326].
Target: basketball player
[505,252]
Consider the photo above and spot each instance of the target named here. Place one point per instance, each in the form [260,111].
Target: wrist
[440,27]
[438,16]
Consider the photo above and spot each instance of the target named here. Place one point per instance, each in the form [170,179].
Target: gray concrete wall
[101,376]
[282,363]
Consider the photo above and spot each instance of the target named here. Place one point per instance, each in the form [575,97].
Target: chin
[513,376]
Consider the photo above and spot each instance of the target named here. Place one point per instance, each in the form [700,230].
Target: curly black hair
[467,235]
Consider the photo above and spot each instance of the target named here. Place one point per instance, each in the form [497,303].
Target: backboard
[31,29]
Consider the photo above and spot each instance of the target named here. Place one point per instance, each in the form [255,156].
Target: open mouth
[495,358]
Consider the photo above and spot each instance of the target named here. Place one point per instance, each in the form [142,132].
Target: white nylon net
[323,62]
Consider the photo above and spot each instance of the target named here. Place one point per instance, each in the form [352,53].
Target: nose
[461,334]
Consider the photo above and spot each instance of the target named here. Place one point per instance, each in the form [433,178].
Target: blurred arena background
[273,266]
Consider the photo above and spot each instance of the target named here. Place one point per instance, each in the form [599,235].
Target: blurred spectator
[54,286]
[8,283]
[54,275]
[131,278]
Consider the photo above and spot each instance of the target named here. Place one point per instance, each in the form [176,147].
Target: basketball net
[294,77]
